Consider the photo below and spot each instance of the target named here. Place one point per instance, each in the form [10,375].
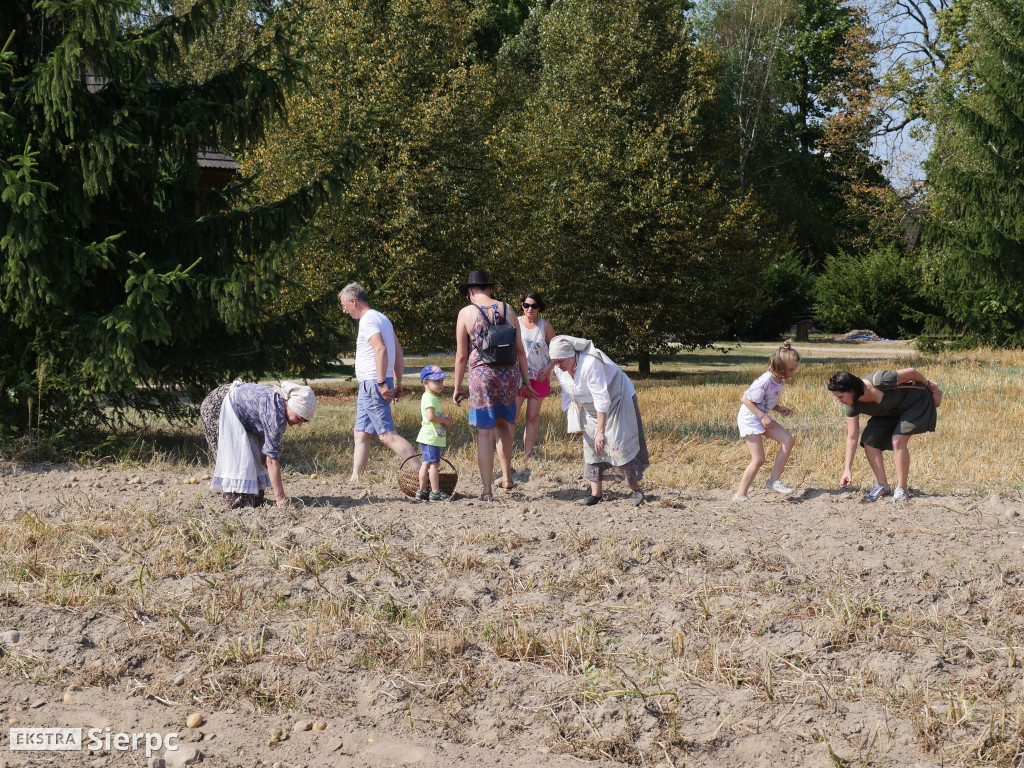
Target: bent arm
[380,355]
[908,375]
[593,376]
[752,407]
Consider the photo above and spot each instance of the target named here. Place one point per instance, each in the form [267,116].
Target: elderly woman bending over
[244,424]
[609,417]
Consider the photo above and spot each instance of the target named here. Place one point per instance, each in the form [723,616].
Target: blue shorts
[488,418]
[373,412]
[431,453]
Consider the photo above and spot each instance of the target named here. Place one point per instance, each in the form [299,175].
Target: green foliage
[799,89]
[883,291]
[975,235]
[398,86]
[613,196]
[784,290]
[123,284]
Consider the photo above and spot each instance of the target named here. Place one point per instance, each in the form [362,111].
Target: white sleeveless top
[536,347]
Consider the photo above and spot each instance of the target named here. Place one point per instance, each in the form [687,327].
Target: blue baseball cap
[432,372]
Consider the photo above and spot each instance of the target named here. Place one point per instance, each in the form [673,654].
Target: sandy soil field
[812,630]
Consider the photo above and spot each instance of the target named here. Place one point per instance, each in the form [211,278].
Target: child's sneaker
[778,486]
[439,496]
[422,495]
[900,494]
[878,492]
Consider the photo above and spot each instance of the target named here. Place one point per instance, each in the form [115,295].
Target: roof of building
[214,158]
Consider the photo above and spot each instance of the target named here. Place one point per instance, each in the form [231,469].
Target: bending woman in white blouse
[609,417]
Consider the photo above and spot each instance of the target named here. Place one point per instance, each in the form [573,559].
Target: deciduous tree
[635,235]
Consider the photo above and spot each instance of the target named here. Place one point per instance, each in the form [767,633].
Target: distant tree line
[665,175]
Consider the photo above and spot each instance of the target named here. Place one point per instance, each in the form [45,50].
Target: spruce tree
[976,179]
[124,286]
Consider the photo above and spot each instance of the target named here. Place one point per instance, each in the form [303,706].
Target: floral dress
[492,388]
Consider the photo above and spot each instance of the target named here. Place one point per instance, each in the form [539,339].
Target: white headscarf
[567,346]
[299,398]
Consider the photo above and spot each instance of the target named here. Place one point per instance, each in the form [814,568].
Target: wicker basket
[409,477]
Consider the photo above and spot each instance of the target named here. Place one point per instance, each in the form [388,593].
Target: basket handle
[420,456]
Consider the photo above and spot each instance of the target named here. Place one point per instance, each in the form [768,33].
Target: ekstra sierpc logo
[98,740]
[46,739]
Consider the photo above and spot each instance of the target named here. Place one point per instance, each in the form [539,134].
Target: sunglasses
[529,306]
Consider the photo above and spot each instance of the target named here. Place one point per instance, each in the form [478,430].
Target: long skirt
[209,413]
[630,472]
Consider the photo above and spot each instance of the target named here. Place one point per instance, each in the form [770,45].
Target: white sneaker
[878,492]
[900,494]
[778,486]
[740,498]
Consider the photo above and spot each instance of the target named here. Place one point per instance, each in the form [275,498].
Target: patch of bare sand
[814,630]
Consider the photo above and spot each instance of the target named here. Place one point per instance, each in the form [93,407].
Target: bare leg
[595,488]
[360,453]
[901,452]
[485,458]
[400,446]
[435,477]
[532,420]
[755,444]
[785,440]
[877,464]
[423,476]
[505,433]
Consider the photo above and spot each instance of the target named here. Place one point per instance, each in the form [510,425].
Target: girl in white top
[754,420]
[537,334]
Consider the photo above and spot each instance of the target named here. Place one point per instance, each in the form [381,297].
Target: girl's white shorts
[748,423]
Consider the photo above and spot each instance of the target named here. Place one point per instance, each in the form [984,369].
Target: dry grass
[689,407]
[253,615]
[560,631]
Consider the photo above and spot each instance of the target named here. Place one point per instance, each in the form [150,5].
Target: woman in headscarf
[244,424]
[614,446]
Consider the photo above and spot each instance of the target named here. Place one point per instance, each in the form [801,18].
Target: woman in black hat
[490,347]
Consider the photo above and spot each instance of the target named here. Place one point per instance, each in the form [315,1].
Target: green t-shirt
[431,433]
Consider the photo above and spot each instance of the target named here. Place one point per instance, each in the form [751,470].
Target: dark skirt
[209,414]
[915,415]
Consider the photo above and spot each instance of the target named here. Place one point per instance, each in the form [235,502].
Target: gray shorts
[373,412]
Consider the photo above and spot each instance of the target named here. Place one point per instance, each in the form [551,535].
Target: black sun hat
[478,277]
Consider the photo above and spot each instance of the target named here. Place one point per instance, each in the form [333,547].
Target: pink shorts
[542,388]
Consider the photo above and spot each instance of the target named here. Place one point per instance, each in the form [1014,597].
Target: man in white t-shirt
[380,362]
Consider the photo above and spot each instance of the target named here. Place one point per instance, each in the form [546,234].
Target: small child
[754,421]
[432,433]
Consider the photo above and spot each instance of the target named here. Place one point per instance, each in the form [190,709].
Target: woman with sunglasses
[537,333]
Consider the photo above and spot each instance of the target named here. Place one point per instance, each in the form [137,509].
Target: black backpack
[499,345]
